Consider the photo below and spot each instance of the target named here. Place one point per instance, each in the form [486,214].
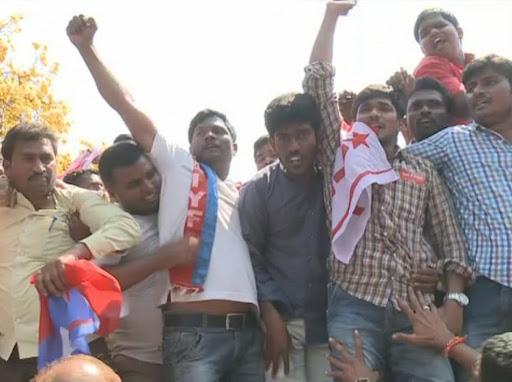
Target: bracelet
[452,343]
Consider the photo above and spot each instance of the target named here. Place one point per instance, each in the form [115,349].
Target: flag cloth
[360,162]
[93,305]
[201,222]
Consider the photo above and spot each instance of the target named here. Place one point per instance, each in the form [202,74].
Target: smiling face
[32,168]
[212,143]
[490,97]
[426,113]
[380,115]
[438,37]
[136,187]
[295,145]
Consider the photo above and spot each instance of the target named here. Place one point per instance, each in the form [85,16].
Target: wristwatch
[460,298]
[362,380]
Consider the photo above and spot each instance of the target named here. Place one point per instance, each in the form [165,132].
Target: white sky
[177,57]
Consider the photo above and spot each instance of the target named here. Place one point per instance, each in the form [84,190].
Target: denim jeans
[406,363]
[307,362]
[489,313]
[213,355]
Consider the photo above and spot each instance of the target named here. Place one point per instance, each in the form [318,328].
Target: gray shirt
[283,222]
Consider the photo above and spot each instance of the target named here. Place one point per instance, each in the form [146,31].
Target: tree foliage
[26,90]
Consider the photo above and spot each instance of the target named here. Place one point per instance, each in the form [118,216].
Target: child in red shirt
[440,37]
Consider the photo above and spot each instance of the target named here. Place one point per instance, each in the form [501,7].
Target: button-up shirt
[31,238]
[283,222]
[476,164]
[403,214]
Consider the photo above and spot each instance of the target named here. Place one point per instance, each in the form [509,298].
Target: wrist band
[452,343]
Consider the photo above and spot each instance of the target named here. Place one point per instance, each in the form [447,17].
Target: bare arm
[81,32]
[168,256]
[323,47]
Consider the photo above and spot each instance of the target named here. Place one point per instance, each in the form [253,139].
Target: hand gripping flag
[93,305]
[201,223]
[360,162]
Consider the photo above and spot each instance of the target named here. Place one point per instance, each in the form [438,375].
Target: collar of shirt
[475,126]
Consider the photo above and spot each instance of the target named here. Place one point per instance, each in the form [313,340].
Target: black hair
[431,13]
[292,107]
[493,62]
[260,142]
[27,132]
[378,91]
[122,154]
[205,114]
[496,362]
[74,177]
[123,137]
[429,83]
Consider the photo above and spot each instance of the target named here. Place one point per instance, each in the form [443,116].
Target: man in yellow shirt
[34,238]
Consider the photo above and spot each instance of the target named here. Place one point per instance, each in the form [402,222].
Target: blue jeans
[406,363]
[213,355]
[489,313]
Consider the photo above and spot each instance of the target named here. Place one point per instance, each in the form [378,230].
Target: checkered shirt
[404,214]
[476,165]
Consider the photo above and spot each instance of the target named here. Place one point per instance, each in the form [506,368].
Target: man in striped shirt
[476,164]
[363,293]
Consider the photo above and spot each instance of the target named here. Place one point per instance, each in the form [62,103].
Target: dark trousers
[16,369]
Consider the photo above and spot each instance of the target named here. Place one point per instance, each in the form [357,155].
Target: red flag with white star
[360,162]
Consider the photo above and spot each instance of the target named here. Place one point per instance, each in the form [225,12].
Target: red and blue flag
[92,306]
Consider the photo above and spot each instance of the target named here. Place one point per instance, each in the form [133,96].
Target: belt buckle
[229,316]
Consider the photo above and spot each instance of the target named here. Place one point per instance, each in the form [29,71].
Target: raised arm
[319,83]
[322,50]
[81,32]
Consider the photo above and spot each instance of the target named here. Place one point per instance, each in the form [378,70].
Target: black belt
[230,321]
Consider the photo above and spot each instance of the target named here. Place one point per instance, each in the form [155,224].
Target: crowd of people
[409,280]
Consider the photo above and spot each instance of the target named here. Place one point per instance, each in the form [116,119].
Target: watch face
[461,298]
[464,299]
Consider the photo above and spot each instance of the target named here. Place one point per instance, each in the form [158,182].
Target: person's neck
[303,178]
[461,59]
[503,128]
[221,169]
[390,149]
[41,201]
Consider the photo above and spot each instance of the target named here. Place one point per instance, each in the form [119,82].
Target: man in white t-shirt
[213,335]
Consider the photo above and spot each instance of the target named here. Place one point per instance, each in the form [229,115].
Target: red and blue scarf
[92,305]
[201,222]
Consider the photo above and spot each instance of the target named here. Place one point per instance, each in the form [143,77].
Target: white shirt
[230,275]
[140,329]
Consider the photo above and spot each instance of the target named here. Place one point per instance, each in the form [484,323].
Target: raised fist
[339,7]
[81,30]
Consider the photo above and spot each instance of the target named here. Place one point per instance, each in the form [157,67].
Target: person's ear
[7,167]
[460,32]
[234,148]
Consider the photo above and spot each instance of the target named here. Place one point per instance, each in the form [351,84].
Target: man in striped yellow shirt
[34,238]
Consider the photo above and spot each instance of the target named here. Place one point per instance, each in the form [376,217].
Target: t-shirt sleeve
[166,154]
[440,69]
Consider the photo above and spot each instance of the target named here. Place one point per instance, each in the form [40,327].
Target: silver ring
[427,307]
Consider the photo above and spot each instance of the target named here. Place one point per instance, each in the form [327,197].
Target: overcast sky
[177,57]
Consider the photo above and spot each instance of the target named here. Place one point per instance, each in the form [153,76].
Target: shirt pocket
[409,198]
